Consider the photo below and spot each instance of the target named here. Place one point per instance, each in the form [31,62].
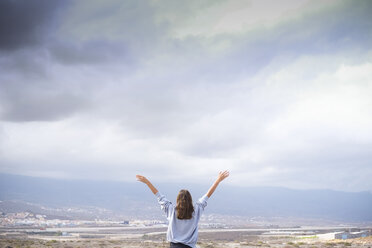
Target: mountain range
[134,199]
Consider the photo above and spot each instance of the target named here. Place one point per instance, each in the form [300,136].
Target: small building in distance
[352,235]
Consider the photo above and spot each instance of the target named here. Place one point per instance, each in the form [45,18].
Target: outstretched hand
[147,182]
[142,179]
[220,178]
[223,175]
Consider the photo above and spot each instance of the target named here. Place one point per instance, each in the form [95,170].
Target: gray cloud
[90,53]
[26,23]
[41,106]
[114,89]
[344,29]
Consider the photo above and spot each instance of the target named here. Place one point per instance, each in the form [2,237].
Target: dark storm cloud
[331,31]
[25,23]
[138,94]
[32,86]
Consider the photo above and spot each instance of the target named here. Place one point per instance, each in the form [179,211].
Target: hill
[134,199]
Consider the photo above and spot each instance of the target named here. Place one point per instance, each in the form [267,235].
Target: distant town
[29,229]
[25,224]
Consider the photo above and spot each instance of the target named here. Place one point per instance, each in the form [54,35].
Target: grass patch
[308,237]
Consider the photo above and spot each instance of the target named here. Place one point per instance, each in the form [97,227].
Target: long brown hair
[184,205]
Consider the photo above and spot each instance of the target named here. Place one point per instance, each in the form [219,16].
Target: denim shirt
[182,231]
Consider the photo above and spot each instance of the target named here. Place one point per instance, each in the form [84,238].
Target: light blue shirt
[182,231]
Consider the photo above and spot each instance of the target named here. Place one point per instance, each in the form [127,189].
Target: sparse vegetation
[220,240]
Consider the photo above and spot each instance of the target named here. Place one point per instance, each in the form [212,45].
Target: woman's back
[183,225]
[183,231]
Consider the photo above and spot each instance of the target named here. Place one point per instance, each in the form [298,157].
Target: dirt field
[276,242]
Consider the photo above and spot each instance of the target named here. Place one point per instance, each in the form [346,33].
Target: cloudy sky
[277,92]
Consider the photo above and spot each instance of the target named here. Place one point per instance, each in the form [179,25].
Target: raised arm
[220,178]
[147,182]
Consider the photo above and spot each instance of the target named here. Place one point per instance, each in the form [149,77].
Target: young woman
[184,216]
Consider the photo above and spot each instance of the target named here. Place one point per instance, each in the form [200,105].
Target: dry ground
[283,242]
